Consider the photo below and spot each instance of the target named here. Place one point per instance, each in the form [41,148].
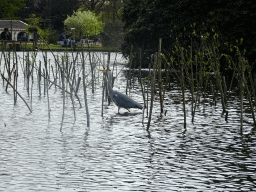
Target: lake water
[116,153]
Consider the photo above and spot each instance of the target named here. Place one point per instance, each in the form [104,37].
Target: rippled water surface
[116,153]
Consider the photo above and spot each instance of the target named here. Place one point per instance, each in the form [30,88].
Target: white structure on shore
[17,28]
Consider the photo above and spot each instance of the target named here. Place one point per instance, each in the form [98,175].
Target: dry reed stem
[17,92]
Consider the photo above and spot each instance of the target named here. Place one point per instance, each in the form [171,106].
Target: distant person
[5,35]
[62,37]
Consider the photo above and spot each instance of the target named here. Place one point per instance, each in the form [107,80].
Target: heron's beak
[104,70]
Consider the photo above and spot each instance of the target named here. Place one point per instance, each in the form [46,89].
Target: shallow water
[116,153]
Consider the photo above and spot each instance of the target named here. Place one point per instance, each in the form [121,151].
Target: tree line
[188,21]
[53,13]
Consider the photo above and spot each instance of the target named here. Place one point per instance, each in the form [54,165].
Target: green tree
[33,23]
[85,23]
[9,8]
[33,26]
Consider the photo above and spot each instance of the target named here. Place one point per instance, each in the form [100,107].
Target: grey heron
[120,99]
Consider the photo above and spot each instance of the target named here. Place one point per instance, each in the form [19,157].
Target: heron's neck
[110,83]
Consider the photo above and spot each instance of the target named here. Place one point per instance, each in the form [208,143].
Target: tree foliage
[33,23]
[51,36]
[95,6]
[109,10]
[9,8]
[85,23]
[147,21]
[52,12]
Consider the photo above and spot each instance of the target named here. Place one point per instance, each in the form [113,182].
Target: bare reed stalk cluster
[197,68]
[64,72]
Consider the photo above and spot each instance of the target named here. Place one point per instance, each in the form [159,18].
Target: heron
[120,99]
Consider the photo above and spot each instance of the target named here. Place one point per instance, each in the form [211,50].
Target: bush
[50,36]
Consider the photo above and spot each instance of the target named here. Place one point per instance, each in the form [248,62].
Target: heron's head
[109,74]
[105,70]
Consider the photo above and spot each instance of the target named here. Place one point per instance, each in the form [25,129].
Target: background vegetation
[53,13]
[147,21]
[9,8]
[140,24]
[85,23]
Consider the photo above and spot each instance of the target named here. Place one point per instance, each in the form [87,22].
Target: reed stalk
[17,92]
[44,75]
[92,70]
[160,82]
[108,63]
[63,103]
[242,85]
[129,74]
[251,104]
[27,72]
[183,94]
[152,91]
[47,85]
[252,83]
[85,94]
[192,84]
[182,64]
[54,78]
[103,91]
[142,90]
[39,78]
[225,96]
[15,85]
[148,84]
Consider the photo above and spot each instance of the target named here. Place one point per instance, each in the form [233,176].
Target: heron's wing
[122,100]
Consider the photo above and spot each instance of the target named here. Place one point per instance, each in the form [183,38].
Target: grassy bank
[76,48]
[53,47]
